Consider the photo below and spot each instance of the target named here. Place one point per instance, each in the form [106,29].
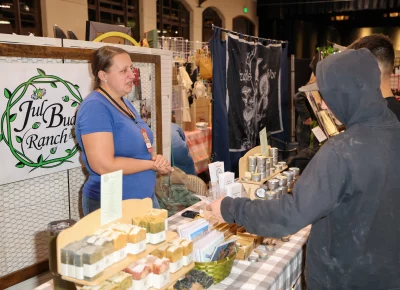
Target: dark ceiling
[301,7]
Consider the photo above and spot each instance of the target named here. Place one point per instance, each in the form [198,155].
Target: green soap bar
[92,254]
[157,226]
[67,253]
[124,280]
[78,258]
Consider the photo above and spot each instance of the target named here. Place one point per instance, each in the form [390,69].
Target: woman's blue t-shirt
[98,114]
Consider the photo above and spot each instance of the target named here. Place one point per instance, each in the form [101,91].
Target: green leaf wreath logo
[28,148]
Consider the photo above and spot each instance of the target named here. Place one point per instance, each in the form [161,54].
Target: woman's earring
[105,81]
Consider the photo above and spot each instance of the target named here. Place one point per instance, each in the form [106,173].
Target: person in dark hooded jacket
[349,192]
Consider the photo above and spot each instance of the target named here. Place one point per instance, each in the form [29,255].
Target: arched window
[20,17]
[243,25]
[116,12]
[210,17]
[173,19]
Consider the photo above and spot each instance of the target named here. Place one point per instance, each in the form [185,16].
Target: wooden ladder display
[90,223]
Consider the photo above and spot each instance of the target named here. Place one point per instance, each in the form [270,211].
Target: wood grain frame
[34,51]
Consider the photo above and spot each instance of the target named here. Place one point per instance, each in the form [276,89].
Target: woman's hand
[161,165]
[165,170]
[160,161]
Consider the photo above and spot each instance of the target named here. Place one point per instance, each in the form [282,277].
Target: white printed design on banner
[38,113]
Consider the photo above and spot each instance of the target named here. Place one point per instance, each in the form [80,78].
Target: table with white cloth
[281,271]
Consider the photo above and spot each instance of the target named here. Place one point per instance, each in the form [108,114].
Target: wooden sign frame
[66,53]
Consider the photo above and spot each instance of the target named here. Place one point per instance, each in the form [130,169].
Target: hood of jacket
[349,83]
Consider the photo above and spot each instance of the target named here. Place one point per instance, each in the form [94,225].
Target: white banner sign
[38,103]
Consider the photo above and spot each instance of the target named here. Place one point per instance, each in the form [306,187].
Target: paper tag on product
[111,197]
[264,142]
[319,134]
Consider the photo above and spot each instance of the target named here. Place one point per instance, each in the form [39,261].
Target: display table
[199,143]
[282,269]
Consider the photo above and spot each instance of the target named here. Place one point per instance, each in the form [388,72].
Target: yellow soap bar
[136,235]
[120,240]
[161,252]
[187,247]
[174,253]
[122,279]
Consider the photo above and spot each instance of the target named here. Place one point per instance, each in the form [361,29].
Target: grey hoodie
[349,192]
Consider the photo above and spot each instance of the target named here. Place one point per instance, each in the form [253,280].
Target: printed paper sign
[319,134]
[38,105]
[264,142]
[111,197]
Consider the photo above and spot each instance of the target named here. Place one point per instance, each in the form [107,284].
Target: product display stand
[90,223]
[244,165]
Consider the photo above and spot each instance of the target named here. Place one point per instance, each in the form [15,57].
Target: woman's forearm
[127,165]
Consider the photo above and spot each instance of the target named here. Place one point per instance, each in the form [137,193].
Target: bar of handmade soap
[187,247]
[161,252]
[160,266]
[136,235]
[174,253]
[103,286]
[139,271]
[124,280]
[93,263]
[156,226]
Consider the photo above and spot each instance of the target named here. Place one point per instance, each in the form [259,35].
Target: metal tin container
[278,193]
[270,195]
[289,175]
[256,177]
[253,258]
[261,160]
[274,152]
[282,163]
[282,180]
[272,171]
[291,185]
[260,193]
[252,160]
[270,248]
[273,184]
[252,168]
[278,167]
[267,165]
[263,174]
[261,168]
[262,255]
[296,171]
[284,189]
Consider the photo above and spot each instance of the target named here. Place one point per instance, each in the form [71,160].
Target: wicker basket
[219,270]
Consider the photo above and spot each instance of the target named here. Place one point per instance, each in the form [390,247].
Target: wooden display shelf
[92,222]
[174,277]
[118,267]
[265,179]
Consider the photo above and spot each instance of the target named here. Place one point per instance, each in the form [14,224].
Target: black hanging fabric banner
[253,91]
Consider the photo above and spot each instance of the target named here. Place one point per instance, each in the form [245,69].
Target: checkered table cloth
[281,271]
[199,143]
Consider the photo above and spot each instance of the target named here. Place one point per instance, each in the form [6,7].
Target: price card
[111,197]
[319,134]
[264,142]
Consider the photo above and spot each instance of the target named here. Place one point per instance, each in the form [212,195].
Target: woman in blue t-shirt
[112,135]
